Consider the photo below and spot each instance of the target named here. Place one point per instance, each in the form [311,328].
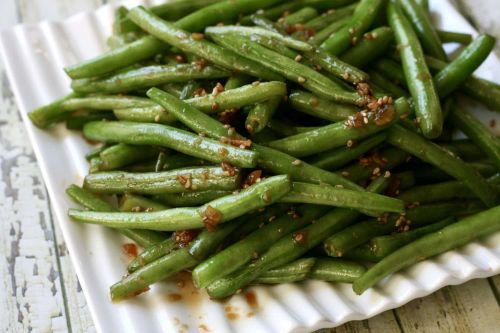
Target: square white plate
[35,55]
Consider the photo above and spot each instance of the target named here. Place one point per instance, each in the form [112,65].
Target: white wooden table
[40,291]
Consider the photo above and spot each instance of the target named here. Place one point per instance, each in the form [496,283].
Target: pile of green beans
[261,149]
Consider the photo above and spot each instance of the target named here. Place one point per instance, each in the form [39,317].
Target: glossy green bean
[461,68]
[144,238]
[454,37]
[423,27]
[382,246]
[217,211]
[260,114]
[121,155]
[300,16]
[329,17]
[289,68]
[337,67]
[148,76]
[362,18]
[349,238]
[170,137]
[171,34]
[434,154]
[418,77]
[448,238]
[373,45]
[105,102]
[239,254]
[337,158]
[152,253]
[327,31]
[295,271]
[312,105]
[175,181]
[465,149]
[288,248]
[340,197]
[131,203]
[387,85]
[335,270]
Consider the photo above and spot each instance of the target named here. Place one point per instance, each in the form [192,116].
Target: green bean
[418,77]
[121,155]
[170,137]
[460,69]
[269,159]
[319,107]
[148,46]
[131,203]
[237,255]
[256,31]
[382,246]
[287,67]
[362,18]
[329,17]
[336,135]
[216,211]
[336,158]
[263,22]
[181,39]
[300,16]
[422,25]
[448,238]
[391,70]
[373,44]
[386,84]
[175,181]
[152,253]
[406,179]
[173,161]
[340,197]
[362,253]
[95,152]
[454,37]
[285,128]
[428,174]
[144,238]
[477,132]
[260,114]
[326,32]
[342,242]
[146,77]
[464,148]
[337,67]
[236,81]
[434,154]
[437,192]
[295,271]
[104,102]
[46,115]
[188,199]
[288,248]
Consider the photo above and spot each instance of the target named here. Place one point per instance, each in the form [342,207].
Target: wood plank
[470,307]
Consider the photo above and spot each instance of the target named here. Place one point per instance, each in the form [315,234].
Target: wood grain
[40,291]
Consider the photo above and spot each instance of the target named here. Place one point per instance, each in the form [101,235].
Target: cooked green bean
[175,181]
[146,77]
[217,211]
[236,81]
[461,68]
[382,246]
[477,132]
[362,18]
[336,158]
[341,242]
[391,70]
[120,155]
[170,137]
[300,16]
[434,154]
[454,37]
[130,203]
[77,120]
[81,196]
[337,67]
[319,107]
[288,248]
[340,197]
[418,77]
[295,271]
[237,255]
[422,25]
[251,31]
[105,102]
[387,85]
[328,31]
[465,148]
[289,68]
[373,44]
[171,34]
[336,270]
[260,114]
[448,238]
[151,253]
[95,152]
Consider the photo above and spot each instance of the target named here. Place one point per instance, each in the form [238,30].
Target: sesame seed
[345,173]
[297,162]
[350,143]
[376,171]
[255,83]
[345,76]
[157,118]
[301,79]
[387,174]
[298,58]
[197,36]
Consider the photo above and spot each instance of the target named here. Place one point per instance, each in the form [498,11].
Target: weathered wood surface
[40,291]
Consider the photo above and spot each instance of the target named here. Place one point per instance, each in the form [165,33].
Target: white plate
[35,55]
